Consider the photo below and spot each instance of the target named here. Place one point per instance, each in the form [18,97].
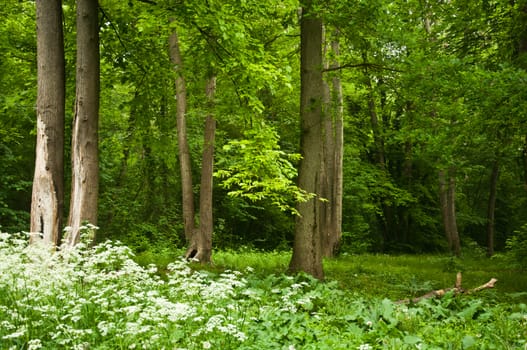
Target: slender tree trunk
[443,200]
[200,247]
[183,147]
[456,243]
[491,209]
[84,147]
[338,184]
[332,181]
[47,202]
[447,196]
[307,252]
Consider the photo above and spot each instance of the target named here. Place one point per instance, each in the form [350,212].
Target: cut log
[457,289]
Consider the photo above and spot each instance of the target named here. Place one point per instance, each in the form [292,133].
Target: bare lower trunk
[447,196]
[492,207]
[183,147]
[443,200]
[85,158]
[307,250]
[47,202]
[332,164]
[456,244]
[200,247]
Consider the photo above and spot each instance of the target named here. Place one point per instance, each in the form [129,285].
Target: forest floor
[394,277]
[98,297]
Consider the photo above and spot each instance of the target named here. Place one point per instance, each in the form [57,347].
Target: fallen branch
[457,289]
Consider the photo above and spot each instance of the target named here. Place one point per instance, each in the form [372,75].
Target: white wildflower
[365,347]
[206,345]
[34,344]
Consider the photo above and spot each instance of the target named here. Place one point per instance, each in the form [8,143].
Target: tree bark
[491,209]
[183,147]
[456,244]
[200,247]
[332,161]
[443,200]
[457,289]
[84,146]
[307,252]
[47,202]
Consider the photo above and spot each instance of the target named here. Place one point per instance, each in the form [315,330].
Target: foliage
[257,169]
[100,298]
[517,247]
[446,81]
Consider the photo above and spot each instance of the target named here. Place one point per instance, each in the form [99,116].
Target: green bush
[517,247]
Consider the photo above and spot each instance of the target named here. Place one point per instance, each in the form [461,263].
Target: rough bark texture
[84,145]
[47,200]
[183,147]
[491,208]
[200,247]
[307,254]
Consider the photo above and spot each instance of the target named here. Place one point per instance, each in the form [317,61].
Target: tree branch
[359,65]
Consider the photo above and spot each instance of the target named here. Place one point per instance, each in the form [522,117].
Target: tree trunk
[200,247]
[447,196]
[492,207]
[183,147]
[84,146]
[456,244]
[47,202]
[331,220]
[443,200]
[307,252]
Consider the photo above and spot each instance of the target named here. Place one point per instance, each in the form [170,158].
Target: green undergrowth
[100,298]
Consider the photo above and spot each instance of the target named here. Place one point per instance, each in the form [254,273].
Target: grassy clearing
[393,276]
[100,298]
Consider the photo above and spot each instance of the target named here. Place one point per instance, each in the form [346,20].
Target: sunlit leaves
[257,169]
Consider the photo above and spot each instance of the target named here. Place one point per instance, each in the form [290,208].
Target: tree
[200,246]
[84,144]
[307,246]
[48,184]
[183,147]
[331,175]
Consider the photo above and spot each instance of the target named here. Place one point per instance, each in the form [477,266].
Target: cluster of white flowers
[86,291]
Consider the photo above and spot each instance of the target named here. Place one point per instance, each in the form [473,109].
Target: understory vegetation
[100,297]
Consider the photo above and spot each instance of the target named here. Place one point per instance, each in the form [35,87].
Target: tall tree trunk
[200,247]
[331,212]
[491,209]
[183,147]
[47,202]
[84,147]
[307,252]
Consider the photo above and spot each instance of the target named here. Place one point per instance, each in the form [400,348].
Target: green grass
[392,276]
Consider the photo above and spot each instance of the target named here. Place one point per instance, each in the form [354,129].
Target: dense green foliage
[445,80]
[100,298]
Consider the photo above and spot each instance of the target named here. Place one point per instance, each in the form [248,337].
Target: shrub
[517,247]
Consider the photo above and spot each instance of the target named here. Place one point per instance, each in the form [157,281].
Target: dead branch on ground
[457,289]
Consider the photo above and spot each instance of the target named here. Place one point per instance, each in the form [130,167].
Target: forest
[367,150]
